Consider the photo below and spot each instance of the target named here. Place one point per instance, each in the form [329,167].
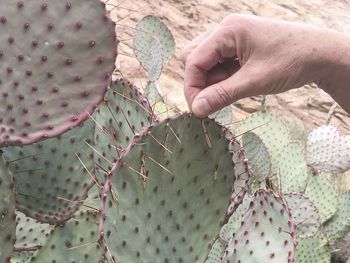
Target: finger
[222,71]
[220,44]
[240,85]
[194,43]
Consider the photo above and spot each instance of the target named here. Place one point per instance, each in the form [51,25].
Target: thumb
[240,85]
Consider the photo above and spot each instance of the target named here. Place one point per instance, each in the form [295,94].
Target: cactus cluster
[92,170]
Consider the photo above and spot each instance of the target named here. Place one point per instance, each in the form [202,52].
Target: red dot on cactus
[10,107]
[28,73]
[34,88]
[85,94]
[26,26]
[3,20]
[9,70]
[20,4]
[1,53]
[20,58]
[54,90]
[50,75]
[15,84]
[11,40]
[39,102]
[78,25]
[44,7]
[5,94]
[77,78]
[60,44]
[43,58]
[92,43]
[34,44]
[45,115]
[69,62]
[50,26]
[64,104]
[100,60]
[68,6]
[25,110]
[27,124]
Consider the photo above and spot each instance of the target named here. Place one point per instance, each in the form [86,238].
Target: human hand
[246,56]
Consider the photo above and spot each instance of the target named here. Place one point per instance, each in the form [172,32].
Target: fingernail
[201,107]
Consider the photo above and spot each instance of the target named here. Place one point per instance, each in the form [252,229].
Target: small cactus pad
[57,58]
[313,250]
[323,195]
[305,214]
[7,213]
[216,252]
[21,257]
[123,114]
[170,196]
[50,179]
[271,130]
[223,116]
[242,175]
[30,234]
[156,100]
[74,241]
[292,168]
[328,151]
[153,45]
[267,233]
[257,155]
[338,226]
[228,230]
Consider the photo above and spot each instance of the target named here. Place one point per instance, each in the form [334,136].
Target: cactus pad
[153,45]
[123,114]
[323,195]
[171,196]
[305,214]
[267,233]
[257,155]
[338,226]
[328,151]
[313,250]
[57,58]
[30,234]
[292,168]
[75,241]
[50,180]
[7,213]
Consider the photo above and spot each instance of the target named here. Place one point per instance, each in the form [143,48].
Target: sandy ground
[187,19]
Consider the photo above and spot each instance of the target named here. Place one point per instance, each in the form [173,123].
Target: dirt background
[307,106]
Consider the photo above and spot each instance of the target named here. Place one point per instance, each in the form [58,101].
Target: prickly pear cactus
[57,58]
[313,249]
[7,213]
[304,213]
[170,196]
[328,150]
[123,114]
[74,241]
[266,233]
[292,168]
[52,177]
[153,45]
[30,234]
[323,195]
[338,226]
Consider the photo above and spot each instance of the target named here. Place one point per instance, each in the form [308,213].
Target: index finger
[220,44]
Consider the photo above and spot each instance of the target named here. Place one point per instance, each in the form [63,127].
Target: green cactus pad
[323,195]
[156,100]
[21,257]
[123,114]
[172,189]
[228,230]
[305,214]
[75,241]
[338,226]
[216,252]
[313,250]
[57,58]
[30,234]
[50,180]
[328,150]
[292,168]
[258,156]
[271,130]
[153,45]
[267,233]
[223,116]
[7,213]
[242,175]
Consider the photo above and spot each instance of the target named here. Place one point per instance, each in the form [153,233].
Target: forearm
[334,65]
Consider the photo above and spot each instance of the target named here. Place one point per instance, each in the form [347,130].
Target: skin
[246,56]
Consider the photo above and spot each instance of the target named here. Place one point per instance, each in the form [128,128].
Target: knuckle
[224,95]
